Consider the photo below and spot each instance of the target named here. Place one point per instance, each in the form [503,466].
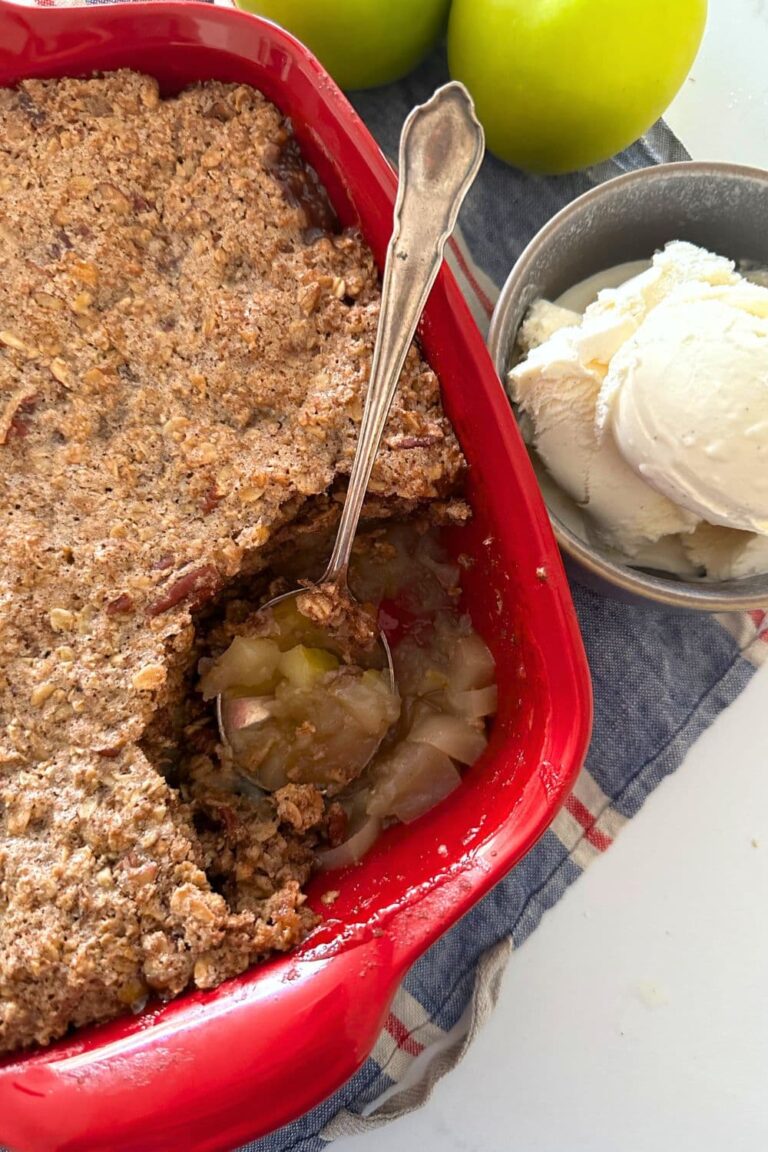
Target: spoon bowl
[245,713]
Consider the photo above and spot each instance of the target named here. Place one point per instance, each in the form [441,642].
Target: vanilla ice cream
[651,412]
[686,398]
[725,553]
[542,321]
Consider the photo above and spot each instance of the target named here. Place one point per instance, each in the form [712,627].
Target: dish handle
[213,1071]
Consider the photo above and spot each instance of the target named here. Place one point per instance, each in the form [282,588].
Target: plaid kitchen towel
[660,679]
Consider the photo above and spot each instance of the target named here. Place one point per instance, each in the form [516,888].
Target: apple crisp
[185,340]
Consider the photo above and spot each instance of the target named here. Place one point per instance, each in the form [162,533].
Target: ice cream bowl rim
[586,561]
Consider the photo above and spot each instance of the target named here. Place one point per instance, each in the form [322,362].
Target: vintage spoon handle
[441,149]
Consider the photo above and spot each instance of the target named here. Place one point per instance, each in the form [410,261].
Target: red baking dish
[210,1071]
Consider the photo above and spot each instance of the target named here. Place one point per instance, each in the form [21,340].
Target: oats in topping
[185,341]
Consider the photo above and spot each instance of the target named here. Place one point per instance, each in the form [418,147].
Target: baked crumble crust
[184,347]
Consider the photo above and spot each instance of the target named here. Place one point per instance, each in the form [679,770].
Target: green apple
[362,43]
[561,84]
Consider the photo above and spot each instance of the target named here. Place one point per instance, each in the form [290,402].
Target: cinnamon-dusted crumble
[185,339]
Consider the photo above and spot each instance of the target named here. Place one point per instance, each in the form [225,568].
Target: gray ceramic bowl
[723,207]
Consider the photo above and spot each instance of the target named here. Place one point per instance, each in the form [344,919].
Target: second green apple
[562,84]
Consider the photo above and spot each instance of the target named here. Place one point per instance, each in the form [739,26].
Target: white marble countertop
[636,1017]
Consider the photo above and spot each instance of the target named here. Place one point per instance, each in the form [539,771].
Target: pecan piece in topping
[336,824]
[211,499]
[120,605]
[194,588]
[14,418]
[109,753]
[28,106]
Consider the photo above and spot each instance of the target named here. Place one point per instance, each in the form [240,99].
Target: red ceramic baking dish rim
[211,1071]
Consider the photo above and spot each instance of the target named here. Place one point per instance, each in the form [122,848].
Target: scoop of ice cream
[686,401]
[726,553]
[606,444]
[542,321]
[558,385]
[678,264]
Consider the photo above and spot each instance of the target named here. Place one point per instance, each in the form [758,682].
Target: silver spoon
[441,149]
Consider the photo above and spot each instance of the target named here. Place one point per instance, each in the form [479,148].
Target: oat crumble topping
[185,338]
